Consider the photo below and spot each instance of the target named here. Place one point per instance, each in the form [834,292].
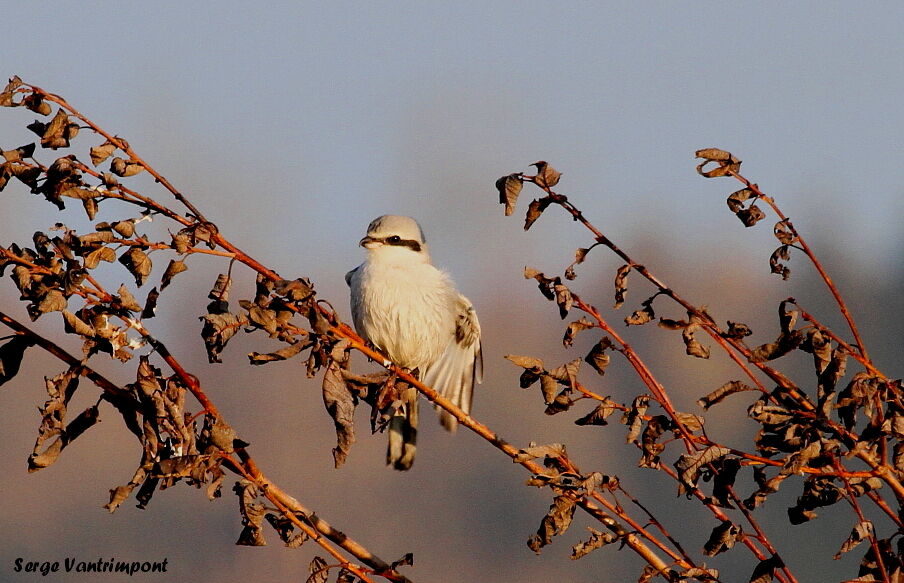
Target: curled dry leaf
[597,357]
[534,210]
[340,403]
[598,416]
[509,188]
[729,388]
[11,354]
[597,539]
[722,538]
[547,176]
[319,570]
[535,451]
[556,522]
[124,168]
[574,328]
[726,162]
[621,285]
[102,152]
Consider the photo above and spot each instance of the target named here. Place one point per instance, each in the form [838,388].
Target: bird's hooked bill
[370,242]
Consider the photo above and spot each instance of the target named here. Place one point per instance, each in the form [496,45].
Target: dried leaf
[692,345]
[597,357]
[726,162]
[689,466]
[736,199]
[534,210]
[94,258]
[11,355]
[296,290]
[340,403]
[547,176]
[221,287]
[599,414]
[574,328]
[729,388]
[738,330]
[621,285]
[123,168]
[127,300]
[563,298]
[174,268]
[641,316]
[556,522]
[102,152]
[751,216]
[535,451]
[528,362]
[633,417]
[764,572]
[319,570]
[783,253]
[150,304]
[784,232]
[722,538]
[597,540]
[283,353]
[138,264]
[75,325]
[509,188]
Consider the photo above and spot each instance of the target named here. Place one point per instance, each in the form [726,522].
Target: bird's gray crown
[405,228]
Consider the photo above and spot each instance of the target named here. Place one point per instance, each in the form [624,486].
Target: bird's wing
[350,275]
[461,365]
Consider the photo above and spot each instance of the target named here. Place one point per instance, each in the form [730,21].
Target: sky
[292,125]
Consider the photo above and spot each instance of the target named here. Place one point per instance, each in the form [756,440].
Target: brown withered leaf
[253,513]
[649,445]
[534,210]
[285,528]
[563,298]
[35,102]
[150,304]
[784,232]
[52,301]
[556,522]
[597,539]
[138,264]
[751,216]
[340,403]
[726,472]
[862,531]
[547,176]
[319,570]
[574,328]
[599,414]
[561,403]
[689,466]
[633,417]
[102,152]
[535,451]
[729,388]
[736,199]
[56,133]
[127,300]
[405,560]
[722,538]
[764,572]
[641,316]
[221,287]
[509,188]
[296,290]
[75,325]
[11,355]
[174,268]
[6,96]
[283,353]
[125,168]
[597,357]
[527,362]
[94,258]
[545,284]
[785,343]
[726,162]
[621,285]
[548,387]
[218,329]
[737,330]
[783,253]
[692,345]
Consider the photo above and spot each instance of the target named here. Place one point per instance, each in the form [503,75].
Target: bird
[413,313]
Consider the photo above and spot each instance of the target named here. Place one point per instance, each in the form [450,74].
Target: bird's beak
[369,242]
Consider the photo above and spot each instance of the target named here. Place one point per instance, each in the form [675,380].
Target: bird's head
[396,238]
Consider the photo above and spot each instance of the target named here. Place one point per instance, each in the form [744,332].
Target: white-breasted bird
[412,312]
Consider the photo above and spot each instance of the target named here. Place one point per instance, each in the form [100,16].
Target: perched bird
[412,312]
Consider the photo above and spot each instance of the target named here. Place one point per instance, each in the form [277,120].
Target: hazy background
[293,125]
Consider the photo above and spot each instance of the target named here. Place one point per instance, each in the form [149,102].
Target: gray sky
[293,125]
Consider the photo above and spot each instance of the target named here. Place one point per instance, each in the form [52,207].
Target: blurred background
[292,125]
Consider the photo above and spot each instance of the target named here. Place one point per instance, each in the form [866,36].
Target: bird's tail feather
[403,433]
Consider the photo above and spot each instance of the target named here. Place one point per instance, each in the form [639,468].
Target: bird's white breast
[408,311]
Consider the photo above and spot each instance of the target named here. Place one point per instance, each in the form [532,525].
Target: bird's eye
[394,239]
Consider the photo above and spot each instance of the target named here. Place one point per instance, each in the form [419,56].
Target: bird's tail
[403,432]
